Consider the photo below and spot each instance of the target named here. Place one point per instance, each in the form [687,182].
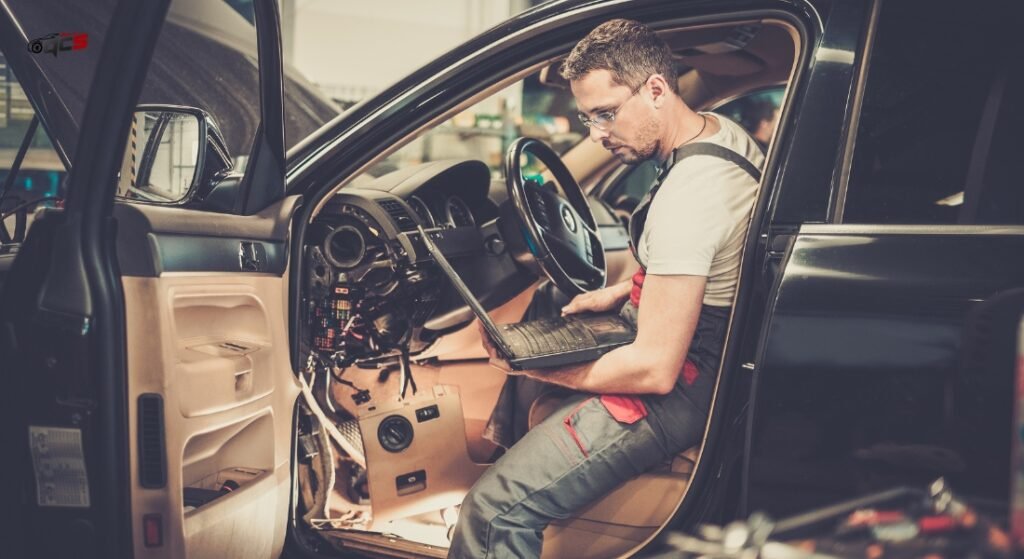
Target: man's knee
[484,501]
[479,511]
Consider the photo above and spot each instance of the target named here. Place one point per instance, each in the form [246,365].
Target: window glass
[41,174]
[225,83]
[485,130]
[306,106]
[940,119]
[757,113]
[632,186]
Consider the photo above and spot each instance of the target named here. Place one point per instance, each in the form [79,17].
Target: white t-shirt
[697,223]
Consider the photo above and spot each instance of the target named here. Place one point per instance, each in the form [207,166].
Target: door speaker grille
[152,460]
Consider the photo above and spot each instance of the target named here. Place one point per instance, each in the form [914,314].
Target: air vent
[399,214]
[152,460]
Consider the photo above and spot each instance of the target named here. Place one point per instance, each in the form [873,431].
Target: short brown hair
[626,48]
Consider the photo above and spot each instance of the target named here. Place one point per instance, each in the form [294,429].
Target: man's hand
[652,363]
[601,300]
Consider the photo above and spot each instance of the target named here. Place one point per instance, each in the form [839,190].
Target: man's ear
[659,89]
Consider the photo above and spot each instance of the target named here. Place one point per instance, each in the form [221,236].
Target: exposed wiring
[328,397]
[355,453]
[361,395]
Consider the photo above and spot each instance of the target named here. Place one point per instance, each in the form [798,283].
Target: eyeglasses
[604,120]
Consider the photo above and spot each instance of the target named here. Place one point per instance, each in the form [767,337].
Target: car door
[153,394]
[862,378]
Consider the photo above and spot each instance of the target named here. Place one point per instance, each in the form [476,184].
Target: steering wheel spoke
[560,243]
[595,273]
[595,248]
[556,217]
[590,229]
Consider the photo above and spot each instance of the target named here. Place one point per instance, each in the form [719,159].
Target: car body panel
[861,384]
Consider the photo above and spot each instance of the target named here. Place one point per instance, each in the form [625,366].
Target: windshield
[484,130]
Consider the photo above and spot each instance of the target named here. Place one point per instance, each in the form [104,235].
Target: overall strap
[705,148]
[639,217]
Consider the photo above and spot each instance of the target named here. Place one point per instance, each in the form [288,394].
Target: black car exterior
[845,370]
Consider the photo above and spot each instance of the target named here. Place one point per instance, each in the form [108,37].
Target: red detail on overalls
[690,372]
[572,430]
[625,409]
[638,285]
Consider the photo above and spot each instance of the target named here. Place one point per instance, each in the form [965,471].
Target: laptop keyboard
[547,336]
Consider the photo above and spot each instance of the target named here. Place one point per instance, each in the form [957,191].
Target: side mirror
[164,155]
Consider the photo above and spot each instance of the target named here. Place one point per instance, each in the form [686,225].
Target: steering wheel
[556,227]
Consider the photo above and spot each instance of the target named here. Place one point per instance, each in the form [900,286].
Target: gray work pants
[582,451]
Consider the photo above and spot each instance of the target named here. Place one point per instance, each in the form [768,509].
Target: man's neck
[681,130]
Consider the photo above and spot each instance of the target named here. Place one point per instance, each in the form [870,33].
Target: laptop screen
[465,293]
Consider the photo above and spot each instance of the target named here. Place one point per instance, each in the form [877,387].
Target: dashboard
[371,288]
[452,212]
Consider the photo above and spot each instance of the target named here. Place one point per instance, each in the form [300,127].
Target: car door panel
[860,383]
[212,341]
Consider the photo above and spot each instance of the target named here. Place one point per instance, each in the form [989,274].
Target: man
[760,119]
[640,404]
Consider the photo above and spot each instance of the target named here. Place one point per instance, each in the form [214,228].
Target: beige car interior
[215,346]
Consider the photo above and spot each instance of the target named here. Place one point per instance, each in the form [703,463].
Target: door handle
[252,256]
[779,243]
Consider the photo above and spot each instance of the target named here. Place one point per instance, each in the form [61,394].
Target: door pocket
[240,453]
[229,488]
[222,346]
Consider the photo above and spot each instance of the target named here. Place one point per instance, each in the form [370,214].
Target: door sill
[373,544]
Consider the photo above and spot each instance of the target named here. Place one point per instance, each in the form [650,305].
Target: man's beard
[631,156]
[649,145]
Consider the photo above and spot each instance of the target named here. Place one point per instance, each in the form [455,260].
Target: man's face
[634,134]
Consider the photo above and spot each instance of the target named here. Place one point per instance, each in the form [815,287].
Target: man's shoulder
[708,162]
[730,138]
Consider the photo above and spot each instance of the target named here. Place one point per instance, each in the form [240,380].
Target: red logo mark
[57,42]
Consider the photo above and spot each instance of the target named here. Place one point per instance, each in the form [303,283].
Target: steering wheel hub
[568,219]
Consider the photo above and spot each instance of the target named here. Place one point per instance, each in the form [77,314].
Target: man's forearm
[621,290]
[624,370]
[651,364]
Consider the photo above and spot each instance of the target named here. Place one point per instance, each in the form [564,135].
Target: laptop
[545,343]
